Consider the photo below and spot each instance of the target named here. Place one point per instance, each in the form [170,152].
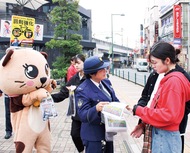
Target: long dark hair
[163,50]
[80,56]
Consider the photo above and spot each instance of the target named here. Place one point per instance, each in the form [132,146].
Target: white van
[142,65]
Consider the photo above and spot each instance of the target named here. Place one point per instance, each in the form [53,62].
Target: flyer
[115,124]
[115,109]
[48,108]
[113,117]
[71,108]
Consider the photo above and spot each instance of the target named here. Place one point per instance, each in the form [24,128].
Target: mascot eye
[47,69]
[31,71]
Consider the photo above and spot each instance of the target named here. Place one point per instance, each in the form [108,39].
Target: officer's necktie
[105,93]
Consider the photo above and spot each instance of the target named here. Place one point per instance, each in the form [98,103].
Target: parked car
[142,65]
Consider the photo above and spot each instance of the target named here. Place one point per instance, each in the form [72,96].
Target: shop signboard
[177,21]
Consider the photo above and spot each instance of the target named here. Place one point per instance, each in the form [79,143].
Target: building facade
[41,16]
[169,21]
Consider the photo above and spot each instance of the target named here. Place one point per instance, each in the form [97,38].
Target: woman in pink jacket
[161,120]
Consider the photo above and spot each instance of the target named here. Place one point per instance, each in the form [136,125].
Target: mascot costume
[25,77]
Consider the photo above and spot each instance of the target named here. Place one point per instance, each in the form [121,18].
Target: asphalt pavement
[126,91]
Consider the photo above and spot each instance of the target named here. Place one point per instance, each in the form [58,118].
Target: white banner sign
[38,32]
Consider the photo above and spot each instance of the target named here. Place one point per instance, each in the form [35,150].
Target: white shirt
[97,84]
[160,77]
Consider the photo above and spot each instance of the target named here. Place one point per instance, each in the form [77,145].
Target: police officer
[95,92]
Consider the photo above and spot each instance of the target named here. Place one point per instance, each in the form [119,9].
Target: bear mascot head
[24,70]
[25,78]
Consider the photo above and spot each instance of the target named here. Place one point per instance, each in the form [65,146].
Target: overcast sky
[130,23]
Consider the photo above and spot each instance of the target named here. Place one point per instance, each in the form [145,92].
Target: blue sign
[177,41]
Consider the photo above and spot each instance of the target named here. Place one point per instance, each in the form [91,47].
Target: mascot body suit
[25,77]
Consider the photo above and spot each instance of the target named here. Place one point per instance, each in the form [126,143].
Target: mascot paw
[51,86]
[36,104]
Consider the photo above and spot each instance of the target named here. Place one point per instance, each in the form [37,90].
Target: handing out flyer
[113,117]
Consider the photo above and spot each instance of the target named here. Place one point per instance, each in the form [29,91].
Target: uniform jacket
[64,92]
[147,91]
[168,103]
[88,95]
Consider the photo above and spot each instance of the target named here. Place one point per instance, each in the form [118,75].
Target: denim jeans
[166,141]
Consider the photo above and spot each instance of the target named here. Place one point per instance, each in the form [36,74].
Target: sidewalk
[126,91]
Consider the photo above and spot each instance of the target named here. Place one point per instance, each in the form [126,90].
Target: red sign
[177,21]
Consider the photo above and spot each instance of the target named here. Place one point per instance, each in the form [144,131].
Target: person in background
[105,58]
[15,42]
[71,71]
[77,79]
[148,93]
[90,97]
[162,118]
[8,126]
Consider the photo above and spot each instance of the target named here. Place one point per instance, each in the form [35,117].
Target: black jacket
[147,91]
[64,92]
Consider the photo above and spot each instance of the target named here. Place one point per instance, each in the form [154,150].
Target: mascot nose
[43,80]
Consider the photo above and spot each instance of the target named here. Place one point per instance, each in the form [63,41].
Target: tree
[67,22]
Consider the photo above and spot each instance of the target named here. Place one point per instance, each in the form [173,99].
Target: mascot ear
[7,57]
[44,54]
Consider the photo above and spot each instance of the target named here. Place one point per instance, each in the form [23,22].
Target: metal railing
[134,77]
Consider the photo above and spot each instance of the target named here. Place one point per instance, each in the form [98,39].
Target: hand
[51,86]
[100,106]
[72,87]
[128,111]
[37,102]
[40,94]
[138,131]
[128,108]
[35,97]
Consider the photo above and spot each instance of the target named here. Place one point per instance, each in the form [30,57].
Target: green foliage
[67,22]
[60,71]
[66,18]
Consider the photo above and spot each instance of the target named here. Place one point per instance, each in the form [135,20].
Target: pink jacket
[71,72]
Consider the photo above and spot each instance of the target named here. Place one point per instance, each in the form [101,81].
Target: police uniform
[88,95]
